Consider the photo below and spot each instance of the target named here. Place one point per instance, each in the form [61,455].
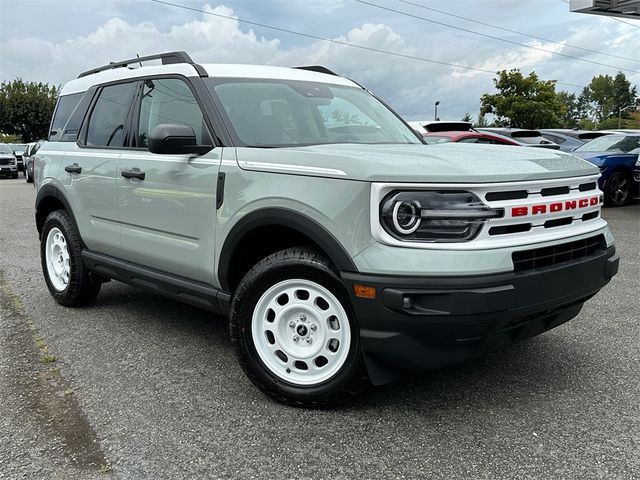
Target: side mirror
[169,138]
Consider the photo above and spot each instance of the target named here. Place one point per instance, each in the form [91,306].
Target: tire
[617,190]
[68,280]
[317,312]
[15,175]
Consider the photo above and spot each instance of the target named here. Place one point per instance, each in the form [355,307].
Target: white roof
[213,69]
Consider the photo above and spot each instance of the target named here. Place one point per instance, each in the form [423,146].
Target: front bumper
[424,323]
[8,169]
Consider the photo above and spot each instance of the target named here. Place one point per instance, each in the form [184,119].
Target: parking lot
[142,387]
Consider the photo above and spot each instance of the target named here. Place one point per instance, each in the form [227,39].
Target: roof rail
[319,69]
[167,58]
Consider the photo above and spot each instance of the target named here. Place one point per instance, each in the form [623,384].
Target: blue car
[616,155]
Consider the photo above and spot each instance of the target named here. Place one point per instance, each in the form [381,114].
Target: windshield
[279,113]
[433,139]
[5,149]
[612,143]
[19,147]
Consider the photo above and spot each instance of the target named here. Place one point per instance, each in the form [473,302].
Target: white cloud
[410,86]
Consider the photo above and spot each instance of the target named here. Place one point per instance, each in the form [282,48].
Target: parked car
[567,142]
[18,150]
[616,155]
[636,178]
[468,137]
[427,126]
[296,203]
[28,159]
[529,138]
[8,162]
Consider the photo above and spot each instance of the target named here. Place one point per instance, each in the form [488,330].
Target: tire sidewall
[608,196]
[242,317]
[65,224]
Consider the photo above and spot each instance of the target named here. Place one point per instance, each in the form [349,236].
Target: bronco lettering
[555,207]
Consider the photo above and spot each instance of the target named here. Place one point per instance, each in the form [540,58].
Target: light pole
[435,114]
[620,114]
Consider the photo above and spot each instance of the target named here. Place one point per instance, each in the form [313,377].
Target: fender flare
[48,191]
[284,217]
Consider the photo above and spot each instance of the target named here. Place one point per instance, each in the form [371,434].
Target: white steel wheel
[301,332]
[57,259]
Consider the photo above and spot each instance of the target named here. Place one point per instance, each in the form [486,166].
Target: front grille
[5,161]
[557,254]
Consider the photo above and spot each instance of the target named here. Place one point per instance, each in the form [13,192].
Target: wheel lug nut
[296,338]
[292,324]
[309,340]
[314,327]
[303,317]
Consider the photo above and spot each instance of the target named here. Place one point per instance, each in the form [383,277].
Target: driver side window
[107,124]
[168,100]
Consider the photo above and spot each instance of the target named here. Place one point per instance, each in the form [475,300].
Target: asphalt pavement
[136,386]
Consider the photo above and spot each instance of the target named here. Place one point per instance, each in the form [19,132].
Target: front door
[167,203]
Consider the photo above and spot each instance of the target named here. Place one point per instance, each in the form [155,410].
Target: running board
[177,288]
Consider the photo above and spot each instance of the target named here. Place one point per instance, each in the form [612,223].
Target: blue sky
[52,41]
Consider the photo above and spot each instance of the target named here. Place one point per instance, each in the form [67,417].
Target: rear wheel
[69,282]
[617,189]
[294,330]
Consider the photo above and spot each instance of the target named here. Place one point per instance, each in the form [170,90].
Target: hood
[448,162]
[598,158]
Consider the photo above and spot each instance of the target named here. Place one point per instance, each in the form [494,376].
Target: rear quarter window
[64,108]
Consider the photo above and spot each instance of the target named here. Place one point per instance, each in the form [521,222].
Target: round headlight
[406,217]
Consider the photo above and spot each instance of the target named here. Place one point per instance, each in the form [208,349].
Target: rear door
[92,167]
[167,203]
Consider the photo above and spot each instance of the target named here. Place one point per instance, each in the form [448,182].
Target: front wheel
[616,190]
[61,255]
[295,333]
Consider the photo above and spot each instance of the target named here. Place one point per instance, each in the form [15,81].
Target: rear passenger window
[168,101]
[107,123]
[65,106]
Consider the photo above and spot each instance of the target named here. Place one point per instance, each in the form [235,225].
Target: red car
[467,137]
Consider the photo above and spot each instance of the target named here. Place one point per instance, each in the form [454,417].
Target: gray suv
[341,247]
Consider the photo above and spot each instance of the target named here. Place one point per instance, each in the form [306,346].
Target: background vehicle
[426,126]
[567,142]
[468,137]
[529,138]
[28,159]
[18,150]
[616,156]
[296,202]
[8,162]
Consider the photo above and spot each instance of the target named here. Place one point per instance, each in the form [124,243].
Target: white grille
[546,210]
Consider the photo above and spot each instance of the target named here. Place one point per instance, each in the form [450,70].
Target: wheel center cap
[302,330]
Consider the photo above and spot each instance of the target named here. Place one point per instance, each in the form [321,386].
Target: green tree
[573,114]
[26,108]
[524,101]
[467,118]
[605,98]
[481,122]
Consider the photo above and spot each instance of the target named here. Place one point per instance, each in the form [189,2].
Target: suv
[8,162]
[341,247]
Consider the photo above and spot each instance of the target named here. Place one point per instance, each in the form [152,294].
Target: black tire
[617,190]
[15,175]
[80,289]
[295,263]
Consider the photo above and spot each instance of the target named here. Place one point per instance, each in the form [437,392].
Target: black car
[18,150]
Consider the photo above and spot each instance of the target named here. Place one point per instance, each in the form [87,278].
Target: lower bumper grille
[565,252]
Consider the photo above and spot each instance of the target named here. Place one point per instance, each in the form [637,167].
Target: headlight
[434,216]
[13,161]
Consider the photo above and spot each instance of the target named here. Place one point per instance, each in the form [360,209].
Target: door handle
[75,168]
[133,173]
